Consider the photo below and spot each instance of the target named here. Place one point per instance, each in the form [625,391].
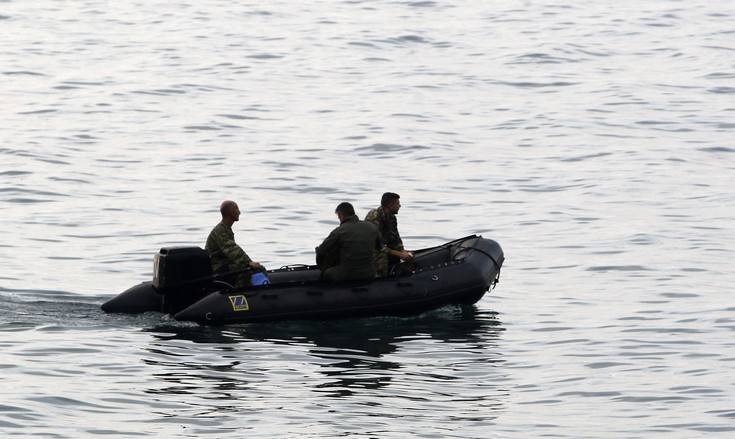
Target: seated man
[226,256]
[348,252]
[384,217]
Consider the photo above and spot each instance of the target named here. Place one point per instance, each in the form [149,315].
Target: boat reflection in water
[439,357]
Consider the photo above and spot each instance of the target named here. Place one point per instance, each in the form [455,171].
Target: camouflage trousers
[385,264]
[381,264]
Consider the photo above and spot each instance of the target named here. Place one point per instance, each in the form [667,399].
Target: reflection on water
[382,364]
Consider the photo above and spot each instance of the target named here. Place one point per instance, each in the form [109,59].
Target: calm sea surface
[593,140]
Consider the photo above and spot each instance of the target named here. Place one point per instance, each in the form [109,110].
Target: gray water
[593,140]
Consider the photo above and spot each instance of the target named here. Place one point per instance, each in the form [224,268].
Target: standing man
[225,255]
[384,217]
[348,252]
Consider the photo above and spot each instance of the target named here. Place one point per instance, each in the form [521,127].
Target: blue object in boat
[259,279]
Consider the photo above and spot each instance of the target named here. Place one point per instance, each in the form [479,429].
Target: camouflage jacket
[348,252]
[225,254]
[387,226]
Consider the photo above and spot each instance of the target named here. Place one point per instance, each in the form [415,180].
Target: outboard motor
[181,275]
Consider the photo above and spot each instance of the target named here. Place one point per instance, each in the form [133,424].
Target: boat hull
[463,279]
[458,272]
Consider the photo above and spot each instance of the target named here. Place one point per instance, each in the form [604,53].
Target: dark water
[592,140]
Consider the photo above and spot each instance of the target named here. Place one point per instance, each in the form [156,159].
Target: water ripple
[125,126]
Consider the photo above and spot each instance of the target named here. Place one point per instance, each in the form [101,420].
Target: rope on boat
[492,258]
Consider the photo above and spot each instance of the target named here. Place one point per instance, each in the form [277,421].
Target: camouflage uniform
[226,255]
[388,227]
[348,252]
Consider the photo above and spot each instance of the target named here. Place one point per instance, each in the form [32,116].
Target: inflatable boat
[458,272]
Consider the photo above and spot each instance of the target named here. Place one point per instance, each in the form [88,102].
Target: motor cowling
[181,276]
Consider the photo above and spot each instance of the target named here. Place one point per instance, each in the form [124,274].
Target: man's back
[225,254]
[352,247]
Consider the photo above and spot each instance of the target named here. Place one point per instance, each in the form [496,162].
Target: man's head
[391,202]
[344,210]
[230,212]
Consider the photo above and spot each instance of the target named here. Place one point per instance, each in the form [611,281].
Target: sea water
[592,140]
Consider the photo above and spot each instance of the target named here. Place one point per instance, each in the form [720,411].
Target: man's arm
[402,254]
[327,248]
[398,250]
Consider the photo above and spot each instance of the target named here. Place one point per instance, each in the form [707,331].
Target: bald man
[225,254]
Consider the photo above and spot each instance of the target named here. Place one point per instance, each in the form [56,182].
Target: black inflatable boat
[458,272]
